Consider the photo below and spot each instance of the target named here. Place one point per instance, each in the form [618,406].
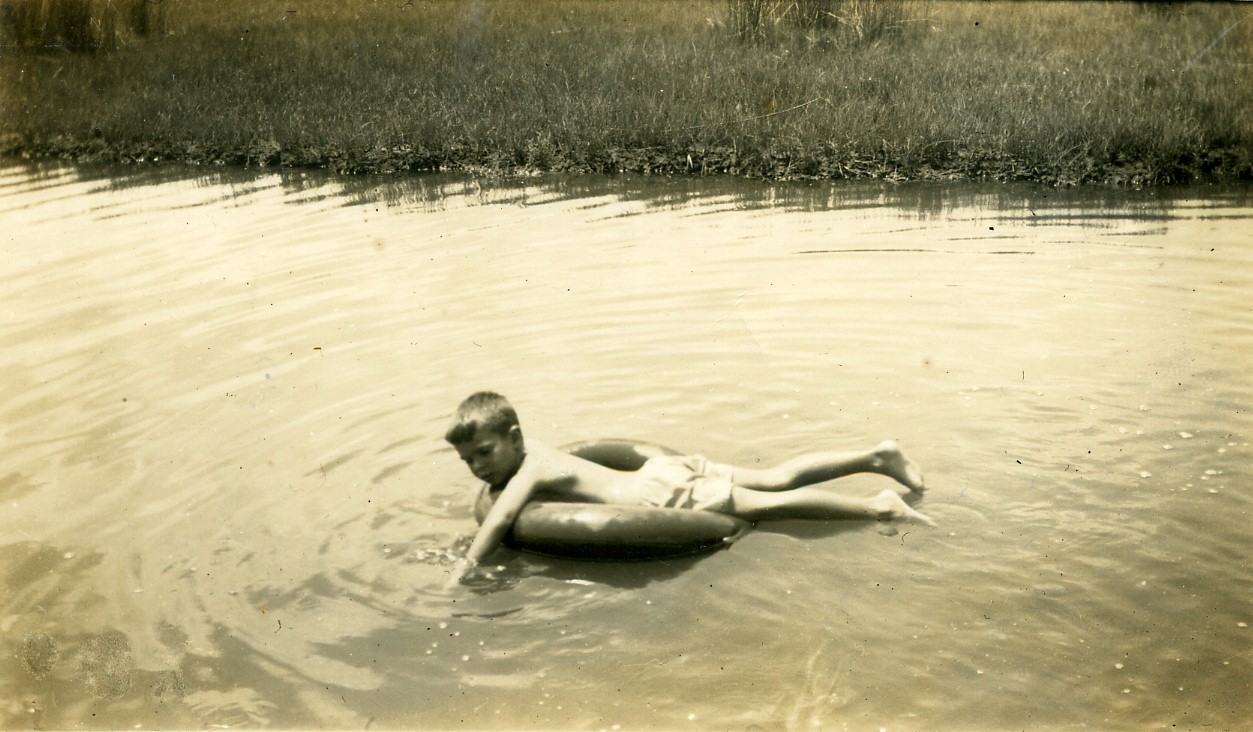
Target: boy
[487,436]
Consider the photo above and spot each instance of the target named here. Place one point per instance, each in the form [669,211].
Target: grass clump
[79,26]
[1052,91]
[862,20]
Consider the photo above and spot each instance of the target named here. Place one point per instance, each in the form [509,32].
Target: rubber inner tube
[616,532]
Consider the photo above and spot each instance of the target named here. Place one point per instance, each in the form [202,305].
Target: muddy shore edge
[1208,167]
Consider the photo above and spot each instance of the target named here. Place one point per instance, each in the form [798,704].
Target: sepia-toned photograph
[614,365]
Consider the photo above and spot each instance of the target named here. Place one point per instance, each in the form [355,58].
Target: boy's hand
[458,571]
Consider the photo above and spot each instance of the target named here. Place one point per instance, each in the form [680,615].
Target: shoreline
[1216,167]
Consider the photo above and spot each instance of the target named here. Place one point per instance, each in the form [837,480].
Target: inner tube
[615,532]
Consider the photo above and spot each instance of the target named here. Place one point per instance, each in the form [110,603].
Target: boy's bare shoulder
[556,475]
[549,463]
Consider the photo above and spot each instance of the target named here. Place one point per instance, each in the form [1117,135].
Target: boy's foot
[891,506]
[894,464]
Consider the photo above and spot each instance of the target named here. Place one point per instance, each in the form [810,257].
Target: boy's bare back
[559,476]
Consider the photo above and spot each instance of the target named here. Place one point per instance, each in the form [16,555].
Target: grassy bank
[1052,91]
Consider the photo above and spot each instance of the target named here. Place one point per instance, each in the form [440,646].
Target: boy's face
[493,457]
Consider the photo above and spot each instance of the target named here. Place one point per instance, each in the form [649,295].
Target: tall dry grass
[1057,91]
[836,20]
[77,25]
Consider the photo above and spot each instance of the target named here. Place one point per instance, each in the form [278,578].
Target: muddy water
[227,504]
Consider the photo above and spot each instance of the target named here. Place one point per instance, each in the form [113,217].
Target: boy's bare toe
[892,506]
[918,516]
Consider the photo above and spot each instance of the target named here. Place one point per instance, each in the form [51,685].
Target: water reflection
[1026,203]
[228,501]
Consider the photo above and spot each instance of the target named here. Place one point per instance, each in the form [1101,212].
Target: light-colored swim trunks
[686,481]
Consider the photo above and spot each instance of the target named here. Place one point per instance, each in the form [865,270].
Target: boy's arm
[499,520]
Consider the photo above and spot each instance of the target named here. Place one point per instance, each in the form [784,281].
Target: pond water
[227,502]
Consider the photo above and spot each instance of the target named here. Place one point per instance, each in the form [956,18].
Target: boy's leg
[815,503]
[885,459]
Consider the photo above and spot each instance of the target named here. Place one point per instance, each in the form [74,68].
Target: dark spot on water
[39,654]
[107,664]
[15,485]
[168,685]
[389,470]
[172,636]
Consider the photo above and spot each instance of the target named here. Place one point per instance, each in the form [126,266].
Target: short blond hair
[484,410]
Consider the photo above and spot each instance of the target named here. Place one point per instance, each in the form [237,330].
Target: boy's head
[487,436]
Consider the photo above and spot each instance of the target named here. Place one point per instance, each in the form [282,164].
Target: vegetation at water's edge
[1053,91]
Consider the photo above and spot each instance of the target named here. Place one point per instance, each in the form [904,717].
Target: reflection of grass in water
[1054,91]
[235,707]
